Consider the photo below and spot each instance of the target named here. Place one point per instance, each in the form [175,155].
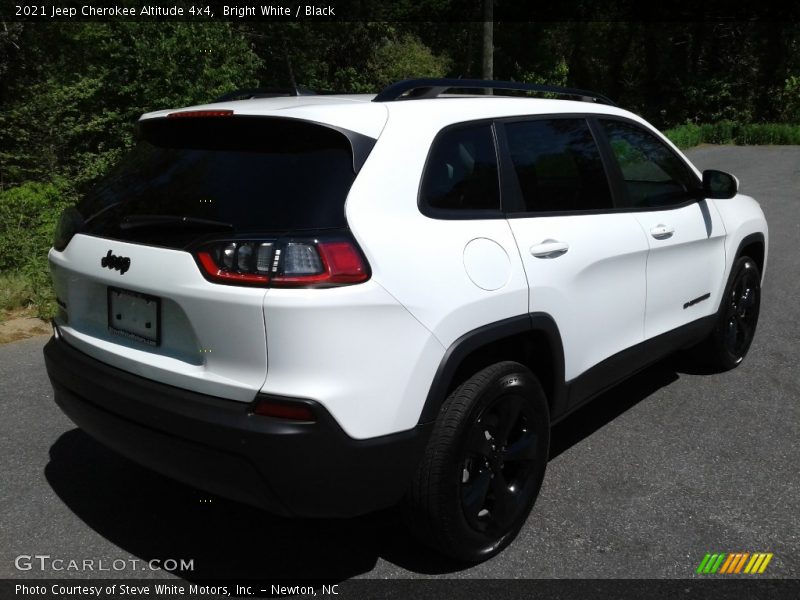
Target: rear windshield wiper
[140,221]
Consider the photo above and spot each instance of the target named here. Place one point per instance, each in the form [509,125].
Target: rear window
[255,174]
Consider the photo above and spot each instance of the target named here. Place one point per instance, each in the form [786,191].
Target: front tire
[484,464]
[728,343]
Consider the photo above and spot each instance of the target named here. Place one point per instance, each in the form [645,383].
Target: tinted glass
[255,174]
[558,165]
[654,176]
[461,172]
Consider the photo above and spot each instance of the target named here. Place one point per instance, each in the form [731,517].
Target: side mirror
[719,184]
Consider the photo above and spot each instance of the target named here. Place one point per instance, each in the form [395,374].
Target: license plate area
[134,315]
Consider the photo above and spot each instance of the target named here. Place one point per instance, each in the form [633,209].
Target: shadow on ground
[605,408]
[153,517]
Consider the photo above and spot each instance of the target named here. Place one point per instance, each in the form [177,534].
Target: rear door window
[558,165]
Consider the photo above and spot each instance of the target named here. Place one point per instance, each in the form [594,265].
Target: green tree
[78,89]
[405,57]
[790,96]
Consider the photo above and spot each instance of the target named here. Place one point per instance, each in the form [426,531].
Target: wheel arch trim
[471,341]
[749,240]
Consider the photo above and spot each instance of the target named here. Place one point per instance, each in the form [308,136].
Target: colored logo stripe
[758,563]
[727,564]
[734,562]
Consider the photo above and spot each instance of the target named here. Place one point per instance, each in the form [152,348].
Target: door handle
[549,249]
[662,232]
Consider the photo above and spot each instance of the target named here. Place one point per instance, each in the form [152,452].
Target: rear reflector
[200,113]
[284,410]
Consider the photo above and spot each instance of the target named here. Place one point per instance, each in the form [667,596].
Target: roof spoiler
[248,93]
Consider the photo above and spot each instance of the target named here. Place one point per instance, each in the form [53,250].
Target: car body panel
[684,267]
[595,291]
[213,337]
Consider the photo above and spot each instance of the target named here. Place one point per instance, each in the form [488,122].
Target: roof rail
[249,93]
[417,89]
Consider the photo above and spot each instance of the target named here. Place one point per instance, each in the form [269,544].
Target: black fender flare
[540,323]
[749,240]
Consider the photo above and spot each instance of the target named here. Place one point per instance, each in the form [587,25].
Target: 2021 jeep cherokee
[322,305]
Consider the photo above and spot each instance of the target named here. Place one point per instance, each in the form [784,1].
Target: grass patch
[28,217]
[26,294]
[729,132]
[16,293]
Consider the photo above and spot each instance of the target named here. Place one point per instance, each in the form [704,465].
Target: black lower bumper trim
[302,469]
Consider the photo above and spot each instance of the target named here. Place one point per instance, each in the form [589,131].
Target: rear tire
[484,464]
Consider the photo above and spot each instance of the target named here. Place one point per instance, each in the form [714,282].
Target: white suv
[323,305]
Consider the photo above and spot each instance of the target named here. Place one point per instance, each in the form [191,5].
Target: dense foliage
[28,215]
[70,93]
[728,132]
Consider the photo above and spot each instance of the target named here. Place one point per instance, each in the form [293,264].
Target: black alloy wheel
[737,317]
[500,452]
[484,464]
[741,313]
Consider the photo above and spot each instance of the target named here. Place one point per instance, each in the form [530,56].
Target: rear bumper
[291,469]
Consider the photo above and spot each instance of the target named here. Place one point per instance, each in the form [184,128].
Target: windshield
[250,174]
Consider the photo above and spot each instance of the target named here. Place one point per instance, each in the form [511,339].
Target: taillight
[283,262]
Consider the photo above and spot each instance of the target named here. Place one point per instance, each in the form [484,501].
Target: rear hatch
[127,261]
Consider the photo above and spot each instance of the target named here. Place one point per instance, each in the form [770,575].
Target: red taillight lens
[344,262]
[283,263]
[220,274]
[284,410]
